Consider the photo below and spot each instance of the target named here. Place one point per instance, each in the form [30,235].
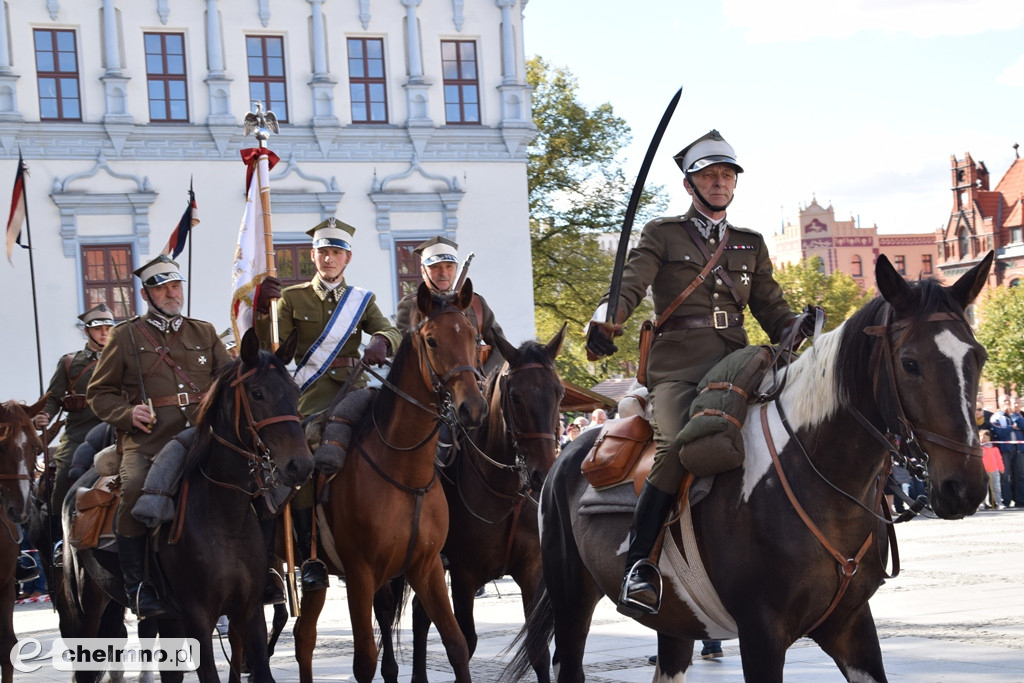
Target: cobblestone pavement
[954,615]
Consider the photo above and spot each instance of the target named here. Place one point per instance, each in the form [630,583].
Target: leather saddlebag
[93,520]
[616,451]
[73,403]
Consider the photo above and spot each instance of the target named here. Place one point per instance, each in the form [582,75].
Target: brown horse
[19,446]
[491,489]
[385,515]
[792,541]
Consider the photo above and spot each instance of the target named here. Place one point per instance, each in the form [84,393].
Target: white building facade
[404,118]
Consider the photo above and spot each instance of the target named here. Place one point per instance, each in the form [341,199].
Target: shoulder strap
[701,277]
[165,355]
[67,370]
[478,311]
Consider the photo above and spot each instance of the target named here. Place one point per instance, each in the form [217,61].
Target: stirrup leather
[629,602]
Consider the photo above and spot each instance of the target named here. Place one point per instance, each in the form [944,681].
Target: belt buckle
[182,399]
[721,320]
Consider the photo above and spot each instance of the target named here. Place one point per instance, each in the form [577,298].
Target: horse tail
[533,638]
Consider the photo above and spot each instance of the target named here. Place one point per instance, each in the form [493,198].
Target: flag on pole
[250,267]
[190,219]
[17,217]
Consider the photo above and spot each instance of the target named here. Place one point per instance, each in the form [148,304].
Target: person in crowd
[1008,430]
[704,325]
[154,371]
[993,461]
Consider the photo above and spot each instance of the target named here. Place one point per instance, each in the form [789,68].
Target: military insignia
[745,278]
[202,360]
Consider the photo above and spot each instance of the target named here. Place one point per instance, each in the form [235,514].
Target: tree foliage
[804,283]
[1001,331]
[577,192]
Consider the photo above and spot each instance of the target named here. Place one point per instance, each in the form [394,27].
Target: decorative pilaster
[218,85]
[115,84]
[321,85]
[516,118]
[417,88]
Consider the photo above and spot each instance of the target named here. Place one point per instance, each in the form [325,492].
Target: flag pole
[191,199]
[265,123]
[32,274]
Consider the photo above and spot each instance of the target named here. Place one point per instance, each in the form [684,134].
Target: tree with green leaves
[1000,313]
[805,283]
[577,192]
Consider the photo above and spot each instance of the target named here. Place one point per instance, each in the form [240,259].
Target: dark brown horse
[19,446]
[386,515]
[248,441]
[899,378]
[492,487]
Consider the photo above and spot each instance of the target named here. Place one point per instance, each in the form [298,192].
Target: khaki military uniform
[78,423]
[307,308]
[408,316]
[667,260]
[114,391]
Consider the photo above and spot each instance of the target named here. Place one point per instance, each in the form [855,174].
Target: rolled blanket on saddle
[335,431]
[712,442]
[156,504]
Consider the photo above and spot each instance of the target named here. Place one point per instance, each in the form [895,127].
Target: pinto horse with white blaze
[793,541]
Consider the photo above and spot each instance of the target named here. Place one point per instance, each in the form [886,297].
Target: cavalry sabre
[634,202]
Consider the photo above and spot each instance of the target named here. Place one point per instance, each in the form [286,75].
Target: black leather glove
[599,339]
[266,291]
[808,322]
[376,351]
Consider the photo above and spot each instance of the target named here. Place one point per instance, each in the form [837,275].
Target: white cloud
[794,20]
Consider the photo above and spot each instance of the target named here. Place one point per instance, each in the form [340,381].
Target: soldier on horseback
[67,392]
[729,269]
[331,317]
[148,383]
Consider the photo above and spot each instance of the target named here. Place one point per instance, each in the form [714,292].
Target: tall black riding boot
[314,572]
[641,586]
[273,589]
[142,597]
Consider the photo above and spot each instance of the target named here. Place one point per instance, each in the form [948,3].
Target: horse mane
[217,395]
[13,419]
[835,373]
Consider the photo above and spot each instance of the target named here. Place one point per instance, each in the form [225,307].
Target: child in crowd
[993,461]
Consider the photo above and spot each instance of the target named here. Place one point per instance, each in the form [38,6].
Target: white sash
[339,328]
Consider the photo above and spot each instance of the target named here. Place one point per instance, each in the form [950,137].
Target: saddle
[624,451]
[92,523]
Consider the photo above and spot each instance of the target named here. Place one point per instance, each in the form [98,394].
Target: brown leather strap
[182,399]
[719,271]
[697,281]
[344,362]
[728,386]
[714,412]
[164,353]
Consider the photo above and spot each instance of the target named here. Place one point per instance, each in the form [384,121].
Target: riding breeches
[670,404]
[134,468]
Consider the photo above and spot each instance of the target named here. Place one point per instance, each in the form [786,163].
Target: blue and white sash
[339,328]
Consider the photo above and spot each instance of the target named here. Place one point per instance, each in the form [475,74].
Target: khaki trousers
[670,404]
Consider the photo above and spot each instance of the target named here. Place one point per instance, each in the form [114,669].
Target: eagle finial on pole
[262,122]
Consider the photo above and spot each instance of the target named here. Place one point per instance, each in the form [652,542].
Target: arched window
[857,267]
[962,243]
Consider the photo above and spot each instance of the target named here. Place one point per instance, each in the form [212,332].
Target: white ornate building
[404,118]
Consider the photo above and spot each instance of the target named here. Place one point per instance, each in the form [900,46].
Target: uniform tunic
[78,423]
[408,316]
[114,391]
[307,308]
[667,260]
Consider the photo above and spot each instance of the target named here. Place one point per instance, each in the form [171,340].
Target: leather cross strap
[718,270]
[165,355]
[697,281]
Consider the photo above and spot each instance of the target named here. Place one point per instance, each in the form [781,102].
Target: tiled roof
[1011,189]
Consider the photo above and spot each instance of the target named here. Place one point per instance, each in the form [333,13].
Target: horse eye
[257,394]
[910,366]
[431,342]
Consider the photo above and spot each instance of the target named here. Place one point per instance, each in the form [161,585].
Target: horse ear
[966,289]
[891,284]
[286,351]
[424,299]
[507,351]
[37,407]
[465,295]
[250,347]
[555,345]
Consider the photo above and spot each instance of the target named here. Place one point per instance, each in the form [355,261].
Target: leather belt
[181,400]
[344,362]
[718,320]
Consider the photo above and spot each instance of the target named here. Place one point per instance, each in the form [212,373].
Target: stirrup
[630,606]
[58,554]
[314,575]
[154,606]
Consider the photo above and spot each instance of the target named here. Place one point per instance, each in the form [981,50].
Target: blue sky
[858,104]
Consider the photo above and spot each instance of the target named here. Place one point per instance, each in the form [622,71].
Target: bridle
[30,450]
[262,467]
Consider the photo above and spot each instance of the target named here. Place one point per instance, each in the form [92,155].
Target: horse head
[252,407]
[446,343]
[19,446]
[527,404]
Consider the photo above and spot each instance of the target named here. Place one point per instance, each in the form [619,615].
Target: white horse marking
[956,349]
